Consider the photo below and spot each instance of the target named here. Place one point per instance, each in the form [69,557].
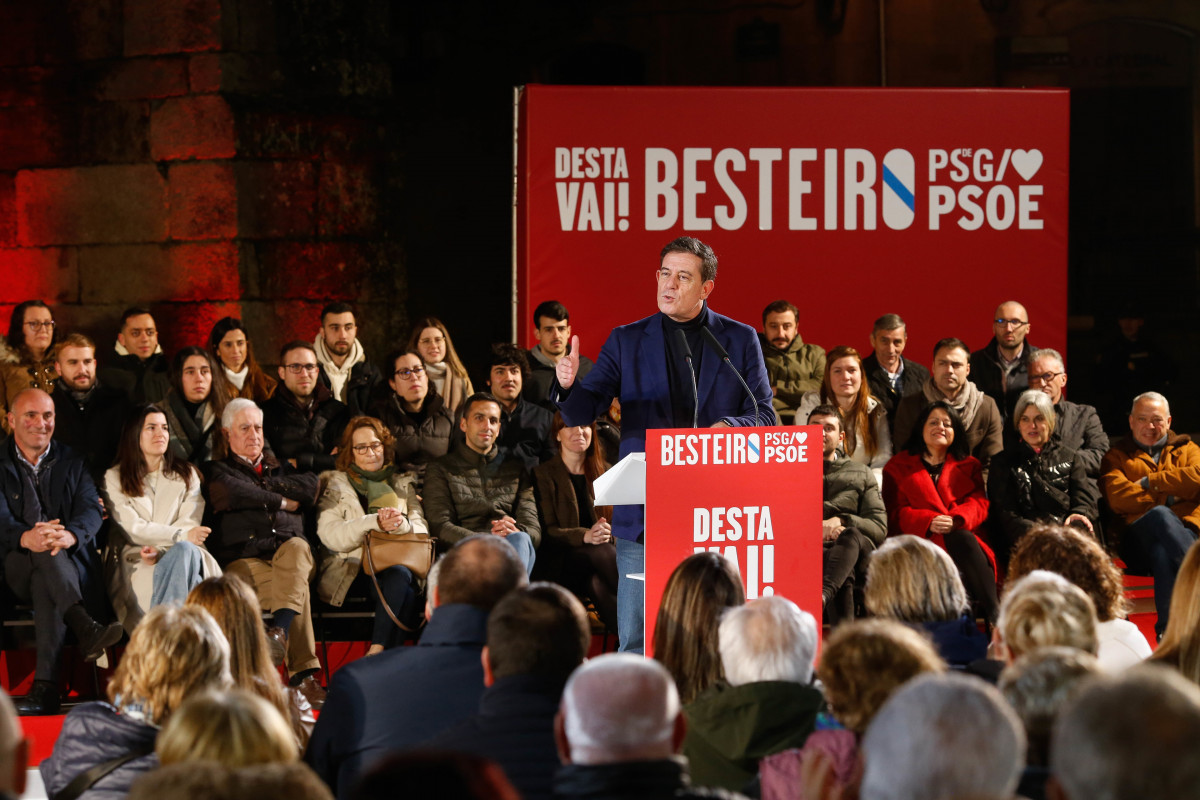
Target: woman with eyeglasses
[446,371]
[419,419]
[230,346]
[194,404]
[27,354]
[366,493]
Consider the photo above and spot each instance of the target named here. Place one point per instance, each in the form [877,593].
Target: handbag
[383,550]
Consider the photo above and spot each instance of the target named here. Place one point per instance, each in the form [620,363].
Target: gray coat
[465,491]
[852,494]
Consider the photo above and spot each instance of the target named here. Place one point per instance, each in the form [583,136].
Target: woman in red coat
[934,489]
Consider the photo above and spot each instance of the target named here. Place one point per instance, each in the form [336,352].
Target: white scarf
[238,379]
[437,373]
[338,375]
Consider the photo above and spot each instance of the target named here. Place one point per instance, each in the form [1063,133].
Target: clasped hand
[50,536]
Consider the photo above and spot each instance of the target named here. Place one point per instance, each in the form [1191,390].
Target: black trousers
[975,570]
[844,568]
[51,584]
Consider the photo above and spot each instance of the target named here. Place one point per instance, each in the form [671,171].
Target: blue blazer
[632,367]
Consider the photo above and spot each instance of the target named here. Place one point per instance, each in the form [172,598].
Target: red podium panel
[751,494]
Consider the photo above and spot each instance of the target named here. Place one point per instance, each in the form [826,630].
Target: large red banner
[751,494]
[934,204]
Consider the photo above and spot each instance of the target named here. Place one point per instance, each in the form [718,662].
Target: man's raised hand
[568,365]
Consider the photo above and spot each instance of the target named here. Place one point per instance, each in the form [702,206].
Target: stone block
[156,273]
[36,86]
[154,27]
[50,274]
[114,133]
[272,323]
[97,28]
[342,270]
[192,128]
[348,200]
[191,322]
[20,33]
[204,73]
[142,78]
[277,134]
[203,201]
[276,199]
[91,205]
[35,136]
[8,209]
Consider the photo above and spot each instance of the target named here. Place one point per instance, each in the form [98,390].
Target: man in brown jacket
[1152,481]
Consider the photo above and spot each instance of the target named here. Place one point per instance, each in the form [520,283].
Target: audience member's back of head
[769,639]
[233,728]
[208,780]
[941,737]
[913,580]
[1079,558]
[446,776]
[1180,645]
[1044,609]
[478,571]
[540,629]
[1129,737]
[865,661]
[1037,685]
[620,707]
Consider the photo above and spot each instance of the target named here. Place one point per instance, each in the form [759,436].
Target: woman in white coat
[156,549]
[367,493]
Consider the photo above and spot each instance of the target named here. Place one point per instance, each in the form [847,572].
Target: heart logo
[1027,162]
[800,437]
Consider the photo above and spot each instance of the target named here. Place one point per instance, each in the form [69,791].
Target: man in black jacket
[88,417]
[140,368]
[525,432]
[891,376]
[344,366]
[1001,370]
[302,420]
[48,522]
[257,523]
[553,325]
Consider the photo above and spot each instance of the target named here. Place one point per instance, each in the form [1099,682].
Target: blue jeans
[1161,540]
[521,542]
[631,596]
[177,571]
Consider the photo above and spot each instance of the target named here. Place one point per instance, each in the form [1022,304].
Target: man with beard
[553,325]
[140,368]
[793,367]
[1001,369]
[88,416]
[302,420]
[525,433]
[344,366]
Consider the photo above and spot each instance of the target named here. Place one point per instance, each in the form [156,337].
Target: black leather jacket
[1025,488]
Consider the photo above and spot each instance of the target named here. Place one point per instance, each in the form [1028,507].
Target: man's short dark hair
[827,410]
[336,308]
[478,397]
[695,247]
[478,571]
[133,311]
[539,629]
[951,342]
[888,322]
[509,355]
[551,309]
[778,307]
[294,344]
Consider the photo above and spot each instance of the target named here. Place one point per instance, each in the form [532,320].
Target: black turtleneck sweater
[683,401]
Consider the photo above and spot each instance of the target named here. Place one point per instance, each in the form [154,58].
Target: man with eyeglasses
[140,368]
[344,366]
[303,421]
[418,418]
[1001,370]
[552,322]
[1077,426]
[525,427]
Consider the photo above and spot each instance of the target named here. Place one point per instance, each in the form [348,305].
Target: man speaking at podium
[667,370]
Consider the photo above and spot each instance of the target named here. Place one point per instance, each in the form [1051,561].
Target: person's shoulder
[635,328]
[909,364]
[849,468]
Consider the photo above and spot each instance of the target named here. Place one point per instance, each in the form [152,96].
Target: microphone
[724,356]
[687,356]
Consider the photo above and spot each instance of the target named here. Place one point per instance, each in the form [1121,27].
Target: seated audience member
[345,371]
[553,325]
[367,493]
[48,522]
[793,367]
[941,737]
[477,488]
[194,405]
[1079,558]
[230,346]
[372,712]
[1180,645]
[206,780]
[87,416]
[233,728]
[934,489]
[913,581]
[536,636]
[1152,483]
[525,427]
[891,376]
[140,366]
[1127,737]
[1044,609]
[1037,685]
[418,419]
[854,520]
[27,354]
[232,603]
[1001,369]
[1077,426]
[699,591]
[432,773]
[948,383]
[768,703]
[14,750]
[303,421]
[256,506]
[577,548]
[867,439]
[619,731]
[862,664]
[156,550]
[445,370]
[173,653]
[1036,479]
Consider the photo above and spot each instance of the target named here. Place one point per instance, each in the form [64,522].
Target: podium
[754,495]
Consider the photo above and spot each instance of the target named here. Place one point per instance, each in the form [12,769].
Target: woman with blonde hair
[234,728]
[445,369]
[1044,609]
[1180,645]
[172,654]
[233,604]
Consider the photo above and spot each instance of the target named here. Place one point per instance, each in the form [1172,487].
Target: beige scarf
[966,404]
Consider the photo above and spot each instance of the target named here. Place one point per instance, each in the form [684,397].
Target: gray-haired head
[1050,354]
[769,639]
[1151,397]
[1037,685]
[695,247]
[234,407]
[1039,400]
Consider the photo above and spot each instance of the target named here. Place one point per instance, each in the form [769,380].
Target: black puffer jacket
[91,734]
[244,507]
[416,443]
[1025,488]
[307,435]
[465,491]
